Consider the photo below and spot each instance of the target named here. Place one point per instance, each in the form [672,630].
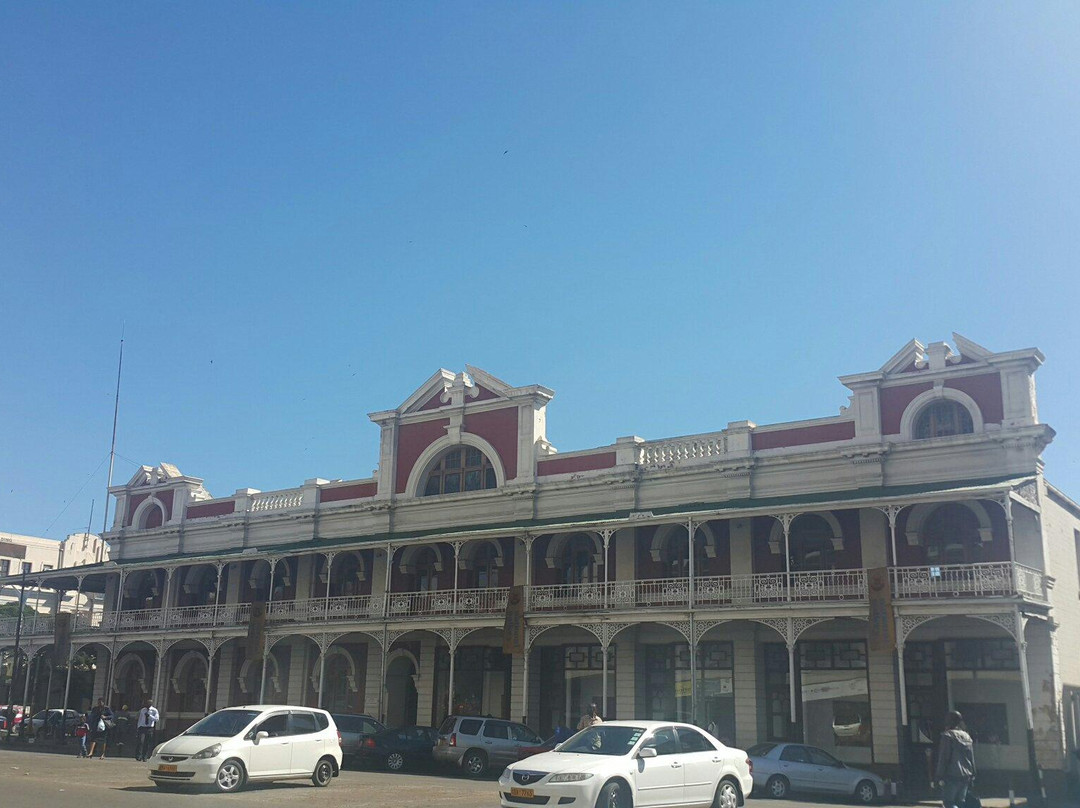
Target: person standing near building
[590,719]
[147,723]
[955,762]
[101,721]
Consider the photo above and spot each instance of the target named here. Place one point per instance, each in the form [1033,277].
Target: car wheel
[614,795]
[475,763]
[230,776]
[323,774]
[777,787]
[395,761]
[866,792]
[727,795]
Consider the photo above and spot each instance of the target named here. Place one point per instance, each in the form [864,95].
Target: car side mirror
[261,734]
[647,752]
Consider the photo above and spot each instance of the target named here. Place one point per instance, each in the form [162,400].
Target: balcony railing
[1000,579]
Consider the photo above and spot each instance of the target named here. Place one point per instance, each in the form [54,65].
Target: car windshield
[603,740]
[224,724]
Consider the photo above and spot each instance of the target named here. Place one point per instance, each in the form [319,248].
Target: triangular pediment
[906,359]
[154,475]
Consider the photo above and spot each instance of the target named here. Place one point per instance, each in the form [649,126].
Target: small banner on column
[882,624]
[256,638]
[514,623]
[61,638]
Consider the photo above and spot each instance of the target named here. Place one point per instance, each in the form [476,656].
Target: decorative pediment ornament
[154,475]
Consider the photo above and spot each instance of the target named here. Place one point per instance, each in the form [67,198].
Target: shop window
[463,468]
[987,723]
[777,693]
[669,688]
[941,419]
[835,696]
[981,655]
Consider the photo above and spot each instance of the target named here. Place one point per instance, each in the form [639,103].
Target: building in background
[842,580]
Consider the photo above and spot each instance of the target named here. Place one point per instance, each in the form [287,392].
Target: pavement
[54,780]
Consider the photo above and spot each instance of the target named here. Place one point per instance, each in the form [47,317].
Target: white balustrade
[421,604]
[180,616]
[355,607]
[276,500]
[1033,583]
[134,620]
[655,592]
[695,447]
[482,601]
[828,585]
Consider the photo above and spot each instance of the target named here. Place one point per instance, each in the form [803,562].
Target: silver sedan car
[781,768]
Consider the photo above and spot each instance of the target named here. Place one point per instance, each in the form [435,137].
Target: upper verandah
[465,432]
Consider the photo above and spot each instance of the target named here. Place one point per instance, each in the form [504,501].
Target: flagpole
[112,446]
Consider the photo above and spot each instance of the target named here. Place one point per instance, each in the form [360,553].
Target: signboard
[882,624]
[256,638]
[845,688]
[61,639]
[514,622]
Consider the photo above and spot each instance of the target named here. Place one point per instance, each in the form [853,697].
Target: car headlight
[156,750]
[570,777]
[506,774]
[207,753]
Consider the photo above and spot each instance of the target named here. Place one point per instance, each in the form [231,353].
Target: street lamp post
[15,655]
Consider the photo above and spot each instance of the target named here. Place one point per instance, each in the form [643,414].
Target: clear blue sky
[675,215]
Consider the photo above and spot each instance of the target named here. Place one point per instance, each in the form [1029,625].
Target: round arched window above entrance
[941,419]
[463,468]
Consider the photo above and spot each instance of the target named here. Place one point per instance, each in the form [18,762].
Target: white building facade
[843,580]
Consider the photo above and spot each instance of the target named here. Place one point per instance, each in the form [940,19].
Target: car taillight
[369,743]
[453,739]
[339,738]
[750,765]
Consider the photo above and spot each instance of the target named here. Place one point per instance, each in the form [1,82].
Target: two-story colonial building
[844,580]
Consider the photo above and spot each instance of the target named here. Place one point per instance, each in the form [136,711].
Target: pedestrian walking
[955,762]
[82,732]
[590,719]
[147,724]
[101,721]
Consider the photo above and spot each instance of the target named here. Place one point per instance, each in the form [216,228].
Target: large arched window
[463,468]
[426,574]
[152,517]
[578,560]
[811,544]
[674,554]
[486,566]
[951,536]
[941,419]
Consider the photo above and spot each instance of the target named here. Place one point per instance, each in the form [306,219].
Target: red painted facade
[202,510]
[500,429]
[894,400]
[413,439]
[567,465]
[986,390]
[803,435]
[343,492]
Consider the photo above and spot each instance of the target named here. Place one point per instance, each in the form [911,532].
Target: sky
[675,215]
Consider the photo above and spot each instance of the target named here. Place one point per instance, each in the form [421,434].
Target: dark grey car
[355,729]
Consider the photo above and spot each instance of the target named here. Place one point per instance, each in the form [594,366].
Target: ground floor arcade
[749,680]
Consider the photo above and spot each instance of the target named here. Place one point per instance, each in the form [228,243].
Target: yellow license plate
[522,792]
[166,767]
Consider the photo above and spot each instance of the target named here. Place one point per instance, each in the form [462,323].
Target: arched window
[942,418]
[486,566]
[153,517]
[578,560]
[951,536]
[811,544]
[426,576]
[675,556]
[463,468]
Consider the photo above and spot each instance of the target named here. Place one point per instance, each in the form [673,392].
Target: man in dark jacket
[955,762]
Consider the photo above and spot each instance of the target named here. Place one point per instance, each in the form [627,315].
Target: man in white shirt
[590,719]
[148,718]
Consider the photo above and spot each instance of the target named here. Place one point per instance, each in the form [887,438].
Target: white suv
[242,744]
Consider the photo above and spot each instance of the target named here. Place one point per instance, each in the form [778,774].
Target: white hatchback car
[619,764]
[242,744]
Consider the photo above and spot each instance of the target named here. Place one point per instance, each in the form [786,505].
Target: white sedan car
[243,744]
[631,764]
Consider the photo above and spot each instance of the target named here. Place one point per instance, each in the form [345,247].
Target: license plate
[522,792]
[166,767]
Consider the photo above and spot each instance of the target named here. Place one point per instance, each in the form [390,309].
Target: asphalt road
[64,781]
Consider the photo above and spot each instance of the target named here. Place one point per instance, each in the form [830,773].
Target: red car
[4,717]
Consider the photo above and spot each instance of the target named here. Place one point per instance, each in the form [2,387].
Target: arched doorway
[401,690]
